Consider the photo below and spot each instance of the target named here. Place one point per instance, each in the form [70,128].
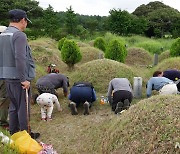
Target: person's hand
[25,84]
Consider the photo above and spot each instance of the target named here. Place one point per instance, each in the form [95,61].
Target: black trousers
[18,114]
[120,96]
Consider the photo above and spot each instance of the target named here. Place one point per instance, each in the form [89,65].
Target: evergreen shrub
[61,42]
[116,51]
[100,43]
[70,53]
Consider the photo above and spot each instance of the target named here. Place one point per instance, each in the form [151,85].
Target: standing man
[50,82]
[18,69]
[121,90]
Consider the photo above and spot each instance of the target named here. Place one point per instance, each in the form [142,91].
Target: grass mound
[150,126]
[100,72]
[170,63]
[45,52]
[164,55]
[82,44]
[90,53]
[138,56]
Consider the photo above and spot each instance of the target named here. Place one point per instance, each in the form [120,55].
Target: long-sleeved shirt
[119,84]
[82,92]
[16,58]
[156,83]
[54,81]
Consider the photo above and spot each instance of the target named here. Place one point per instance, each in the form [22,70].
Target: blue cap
[18,14]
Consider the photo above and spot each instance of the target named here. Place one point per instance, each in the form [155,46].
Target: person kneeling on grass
[121,90]
[46,101]
[81,93]
[161,84]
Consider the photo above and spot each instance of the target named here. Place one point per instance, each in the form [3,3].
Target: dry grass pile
[150,126]
[100,72]
[89,54]
[82,44]
[170,63]
[45,52]
[164,55]
[138,56]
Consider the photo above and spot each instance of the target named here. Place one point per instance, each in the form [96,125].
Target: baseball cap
[18,14]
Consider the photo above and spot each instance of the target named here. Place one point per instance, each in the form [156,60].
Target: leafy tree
[31,7]
[175,48]
[70,53]
[161,18]
[100,43]
[119,21]
[71,21]
[123,23]
[116,51]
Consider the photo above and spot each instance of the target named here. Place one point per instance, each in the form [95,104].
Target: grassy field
[150,125]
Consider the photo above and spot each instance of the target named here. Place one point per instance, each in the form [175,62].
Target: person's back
[50,82]
[81,93]
[172,74]
[52,79]
[119,84]
[119,94]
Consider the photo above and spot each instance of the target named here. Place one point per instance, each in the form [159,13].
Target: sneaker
[86,108]
[119,107]
[34,135]
[73,108]
[126,104]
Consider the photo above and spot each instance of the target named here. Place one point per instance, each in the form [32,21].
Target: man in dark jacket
[50,82]
[81,93]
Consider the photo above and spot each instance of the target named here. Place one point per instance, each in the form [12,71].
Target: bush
[116,51]
[61,42]
[100,43]
[70,53]
[175,48]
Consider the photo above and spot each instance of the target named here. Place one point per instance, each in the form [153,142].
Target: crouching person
[46,102]
[81,93]
[121,90]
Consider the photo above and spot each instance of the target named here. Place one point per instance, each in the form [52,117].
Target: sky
[101,7]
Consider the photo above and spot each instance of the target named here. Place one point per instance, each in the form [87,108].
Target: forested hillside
[153,20]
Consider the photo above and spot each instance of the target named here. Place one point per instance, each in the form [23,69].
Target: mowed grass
[149,126]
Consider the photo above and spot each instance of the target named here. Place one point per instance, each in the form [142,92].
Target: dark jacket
[54,81]
[81,92]
[16,58]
